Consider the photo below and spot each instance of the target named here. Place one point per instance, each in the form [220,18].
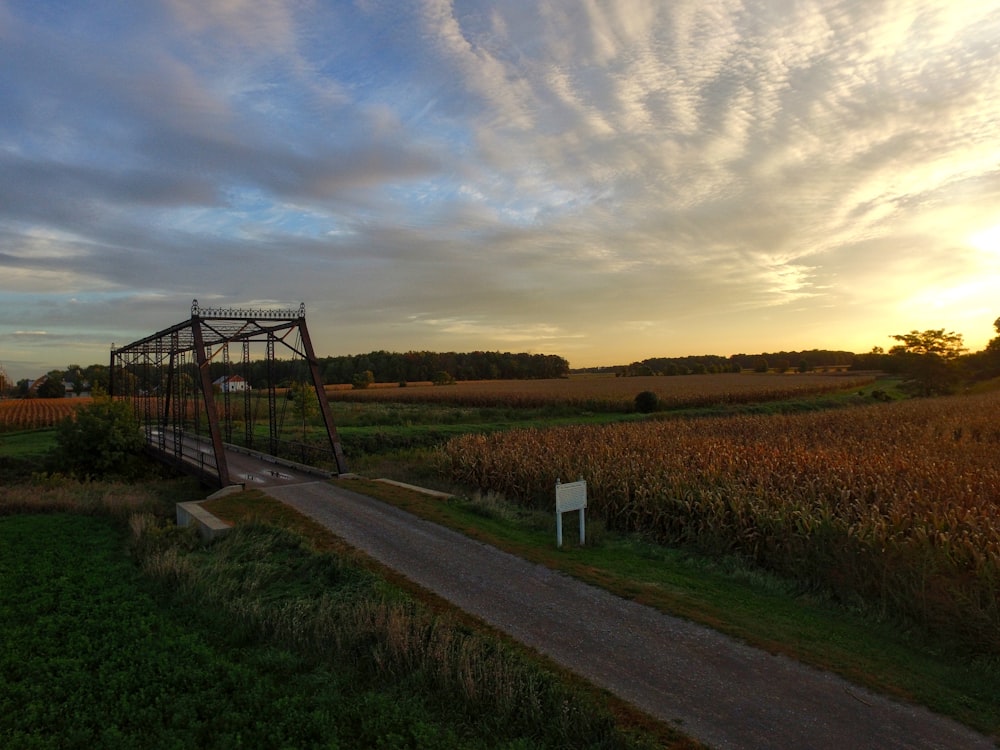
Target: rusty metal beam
[324,403]
[208,333]
[213,415]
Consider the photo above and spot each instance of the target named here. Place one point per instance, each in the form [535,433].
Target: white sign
[569,497]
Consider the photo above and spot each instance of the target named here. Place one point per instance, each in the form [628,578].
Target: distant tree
[761,366]
[986,364]
[303,398]
[876,359]
[52,386]
[362,380]
[443,377]
[928,360]
[948,346]
[646,402]
[97,377]
[101,438]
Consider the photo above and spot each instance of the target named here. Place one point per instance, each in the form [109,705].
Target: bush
[647,402]
[100,439]
[443,378]
[362,380]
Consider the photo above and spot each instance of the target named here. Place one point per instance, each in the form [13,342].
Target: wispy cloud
[606,181]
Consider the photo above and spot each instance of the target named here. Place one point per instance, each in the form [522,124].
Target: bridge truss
[195,388]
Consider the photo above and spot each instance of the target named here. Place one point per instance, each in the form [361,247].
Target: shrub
[101,438]
[443,378]
[646,402]
[362,380]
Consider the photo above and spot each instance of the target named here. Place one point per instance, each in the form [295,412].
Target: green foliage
[929,359]
[646,402]
[23,454]
[393,367]
[362,380]
[304,402]
[253,642]
[102,438]
[52,386]
[443,377]
[93,655]
[936,342]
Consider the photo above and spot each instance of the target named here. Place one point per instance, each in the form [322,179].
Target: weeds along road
[713,688]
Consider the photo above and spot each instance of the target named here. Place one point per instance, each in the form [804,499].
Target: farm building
[231,384]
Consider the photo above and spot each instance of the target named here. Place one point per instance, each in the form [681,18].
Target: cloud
[622,180]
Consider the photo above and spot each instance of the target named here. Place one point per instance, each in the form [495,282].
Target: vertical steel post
[210,411]
[272,406]
[227,410]
[324,403]
[247,414]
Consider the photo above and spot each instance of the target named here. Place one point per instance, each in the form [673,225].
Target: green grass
[256,641]
[24,453]
[92,655]
[761,609]
[27,443]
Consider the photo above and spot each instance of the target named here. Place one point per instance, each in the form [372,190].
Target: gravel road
[713,688]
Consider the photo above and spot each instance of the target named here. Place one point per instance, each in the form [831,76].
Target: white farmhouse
[231,384]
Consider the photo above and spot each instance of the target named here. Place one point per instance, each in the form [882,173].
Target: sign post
[569,497]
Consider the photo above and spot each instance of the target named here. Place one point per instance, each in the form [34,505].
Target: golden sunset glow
[603,181]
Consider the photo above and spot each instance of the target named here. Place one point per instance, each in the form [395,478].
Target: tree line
[708,364]
[384,367]
[410,367]
[931,362]
[397,367]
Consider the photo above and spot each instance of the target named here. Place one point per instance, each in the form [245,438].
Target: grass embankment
[259,640]
[92,655]
[764,610]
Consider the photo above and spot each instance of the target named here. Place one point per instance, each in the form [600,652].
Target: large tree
[929,360]
[52,386]
[986,364]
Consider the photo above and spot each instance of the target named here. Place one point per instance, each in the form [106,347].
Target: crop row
[603,393]
[897,505]
[35,413]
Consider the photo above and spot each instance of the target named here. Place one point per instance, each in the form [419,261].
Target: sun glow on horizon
[987,240]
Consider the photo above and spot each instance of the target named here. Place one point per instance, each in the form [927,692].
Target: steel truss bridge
[196,392]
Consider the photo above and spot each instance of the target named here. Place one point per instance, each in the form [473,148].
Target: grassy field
[257,641]
[721,585]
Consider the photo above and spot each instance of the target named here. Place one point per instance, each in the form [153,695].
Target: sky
[604,181]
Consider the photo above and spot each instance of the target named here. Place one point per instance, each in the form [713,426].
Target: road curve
[713,688]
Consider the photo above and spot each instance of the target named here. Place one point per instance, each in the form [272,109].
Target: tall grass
[406,676]
[268,583]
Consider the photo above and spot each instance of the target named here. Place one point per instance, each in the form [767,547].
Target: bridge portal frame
[151,371]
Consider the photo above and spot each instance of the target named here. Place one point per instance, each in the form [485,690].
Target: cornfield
[892,505]
[34,413]
[608,393]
